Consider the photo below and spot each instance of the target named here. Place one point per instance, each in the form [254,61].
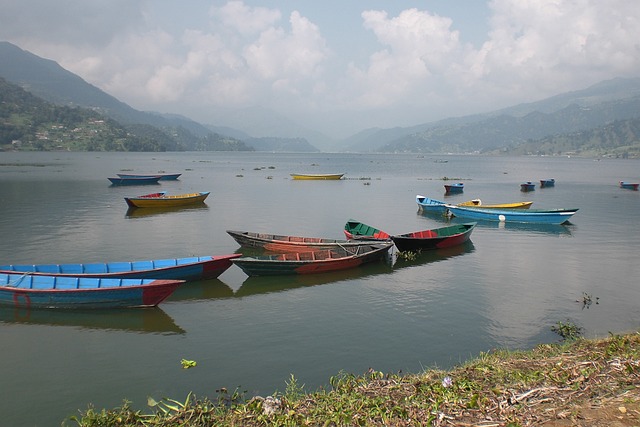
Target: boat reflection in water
[148,320]
[267,284]
[201,290]
[133,213]
[430,256]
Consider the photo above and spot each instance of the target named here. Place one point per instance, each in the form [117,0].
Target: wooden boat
[320,261]
[134,181]
[427,204]
[358,230]
[527,186]
[629,185]
[544,183]
[436,238]
[281,243]
[163,176]
[193,268]
[317,176]
[27,291]
[454,188]
[553,216]
[164,201]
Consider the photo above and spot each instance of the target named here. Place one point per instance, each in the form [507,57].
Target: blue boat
[552,216]
[27,291]
[426,204]
[527,186]
[145,180]
[454,188]
[163,176]
[544,183]
[192,268]
[629,185]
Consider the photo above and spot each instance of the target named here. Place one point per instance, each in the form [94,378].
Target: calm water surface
[506,288]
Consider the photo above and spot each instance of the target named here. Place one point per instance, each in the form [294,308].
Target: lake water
[505,289]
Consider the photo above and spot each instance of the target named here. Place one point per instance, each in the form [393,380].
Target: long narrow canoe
[166,201]
[435,238]
[427,204]
[320,261]
[163,176]
[358,230]
[27,291]
[553,216]
[282,243]
[317,176]
[192,268]
[134,181]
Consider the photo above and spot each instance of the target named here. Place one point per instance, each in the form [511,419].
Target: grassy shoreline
[552,385]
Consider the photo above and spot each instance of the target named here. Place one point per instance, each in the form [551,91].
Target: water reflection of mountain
[201,290]
[531,228]
[430,256]
[267,284]
[142,320]
[148,212]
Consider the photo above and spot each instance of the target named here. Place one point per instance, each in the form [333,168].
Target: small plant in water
[568,331]
[408,255]
[186,364]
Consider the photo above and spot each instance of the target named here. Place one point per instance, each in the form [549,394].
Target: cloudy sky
[334,66]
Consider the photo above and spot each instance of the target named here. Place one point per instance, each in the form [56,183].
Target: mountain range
[572,119]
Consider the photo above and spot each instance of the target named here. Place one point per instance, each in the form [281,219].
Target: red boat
[435,238]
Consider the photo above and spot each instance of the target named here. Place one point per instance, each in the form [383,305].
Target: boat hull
[427,204]
[26,291]
[556,216]
[544,183]
[321,261]
[188,269]
[164,201]
[437,238]
[454,188]
[163,176]
[527,186]
[282,243]
[358,230]
[629,185]
[317,176]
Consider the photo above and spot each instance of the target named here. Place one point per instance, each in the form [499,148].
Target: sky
[336,67]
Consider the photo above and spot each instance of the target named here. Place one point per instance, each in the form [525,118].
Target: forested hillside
[30,123]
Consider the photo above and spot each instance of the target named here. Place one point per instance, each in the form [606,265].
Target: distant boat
[163,176]
[527,186]
[629,185]
[191,268]
[436,238]
[426,204]
[320,261]
[27,291]
[552,216]
[282,243]
[317,176]
[358,230]
[454,188]
[547,183]
[162,200]
[134,181]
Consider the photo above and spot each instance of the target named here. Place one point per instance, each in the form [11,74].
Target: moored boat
[544,183]
[317,176]
[191,268]
[527,186]
[358,230]
[426,204]
[320,261]
[552,216]
[27,291]
[629,185]
[163,176]
[435,238]
[162,200]
[283,243]
[134,181]
[457,187]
